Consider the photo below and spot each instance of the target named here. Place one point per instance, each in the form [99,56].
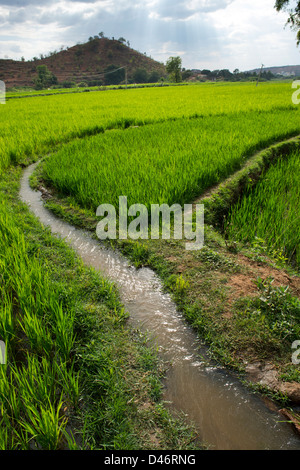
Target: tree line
[112,75]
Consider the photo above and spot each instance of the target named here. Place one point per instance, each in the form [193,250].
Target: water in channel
[226,414]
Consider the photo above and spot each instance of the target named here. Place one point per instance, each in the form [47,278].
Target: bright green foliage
[36,329]
[32,126]
[173,67]
[45,78]
[171,162]
[196,136]
[270,211]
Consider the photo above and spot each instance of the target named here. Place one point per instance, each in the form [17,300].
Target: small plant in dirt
[280,309]
[177,285]
[215,260]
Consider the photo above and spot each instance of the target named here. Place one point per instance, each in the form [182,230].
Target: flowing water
[226,414]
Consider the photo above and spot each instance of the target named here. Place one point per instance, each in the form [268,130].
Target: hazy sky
[211,34]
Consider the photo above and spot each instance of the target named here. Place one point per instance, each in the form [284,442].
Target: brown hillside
[79,63]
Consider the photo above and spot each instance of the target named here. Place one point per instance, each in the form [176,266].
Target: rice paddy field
[169,162]
[33,127]
[154,145]
[269,212]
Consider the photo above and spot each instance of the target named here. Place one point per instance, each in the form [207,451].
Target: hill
[81,63]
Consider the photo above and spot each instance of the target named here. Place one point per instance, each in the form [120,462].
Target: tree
[153,77]
[114,75]
[140,76]
[294,15]
[206,72]
[45,78]
[186,74]
[173,67]
[68,84]
[225,74]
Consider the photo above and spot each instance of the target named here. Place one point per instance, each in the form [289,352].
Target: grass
[197,154]
[236,327]
[268,213]
[272,318]
[49,121]
[76,377]
[27,92]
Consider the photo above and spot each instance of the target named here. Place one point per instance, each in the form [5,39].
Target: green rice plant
[7,322]
[62,327]
[11,438]
[69,380]
[40,314]
[37,379]
[268,214]
[45,424]
[10,400]
[148,168]
[37,333]
[6,441]
[31,127]
[31,400]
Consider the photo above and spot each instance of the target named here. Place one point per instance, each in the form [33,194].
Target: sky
[206,34]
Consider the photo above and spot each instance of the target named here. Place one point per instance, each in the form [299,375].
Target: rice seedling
[7,321]
[37,333]
[270,211]
[30,127]
[44,424]
[147,168]
[62,326]
[58,350]
[39,337]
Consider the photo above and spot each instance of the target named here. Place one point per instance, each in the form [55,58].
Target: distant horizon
[191,68]
[46,55]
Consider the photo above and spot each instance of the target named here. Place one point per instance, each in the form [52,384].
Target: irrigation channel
[227,415]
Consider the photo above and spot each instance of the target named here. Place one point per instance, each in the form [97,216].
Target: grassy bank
[148,168]
[76,376]
[53,120]
[100,385]
[269,212]
[243,302]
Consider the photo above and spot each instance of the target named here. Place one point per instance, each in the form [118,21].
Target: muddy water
[227,416]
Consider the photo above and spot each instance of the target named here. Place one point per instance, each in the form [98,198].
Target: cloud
[40,3]
[206,33]
[184,10]
[24,3]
